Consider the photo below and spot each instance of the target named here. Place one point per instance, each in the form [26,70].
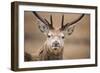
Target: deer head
[55,37]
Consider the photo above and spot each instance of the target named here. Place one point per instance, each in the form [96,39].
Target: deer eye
[62,37]
[49,36]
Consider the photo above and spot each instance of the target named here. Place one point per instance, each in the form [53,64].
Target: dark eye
[62,37]
[49,36]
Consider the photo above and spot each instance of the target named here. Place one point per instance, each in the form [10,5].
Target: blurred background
[77,45]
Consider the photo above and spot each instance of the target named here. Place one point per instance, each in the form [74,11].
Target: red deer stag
[54,45]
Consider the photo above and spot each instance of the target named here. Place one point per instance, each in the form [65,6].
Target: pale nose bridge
[56,39]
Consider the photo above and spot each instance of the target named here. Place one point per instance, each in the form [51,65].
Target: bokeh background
[77,45]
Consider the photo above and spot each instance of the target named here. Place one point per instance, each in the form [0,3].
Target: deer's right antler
[44,20]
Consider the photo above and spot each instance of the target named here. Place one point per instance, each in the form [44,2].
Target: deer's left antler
[71,23]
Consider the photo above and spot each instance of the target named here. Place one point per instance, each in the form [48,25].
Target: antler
[44,20]
[71,23]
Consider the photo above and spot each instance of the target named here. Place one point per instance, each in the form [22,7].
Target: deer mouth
[55,48]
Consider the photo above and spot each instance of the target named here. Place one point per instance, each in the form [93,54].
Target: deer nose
[56,44]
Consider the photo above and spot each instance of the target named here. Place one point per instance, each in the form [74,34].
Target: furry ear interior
[69,30]
[43,27]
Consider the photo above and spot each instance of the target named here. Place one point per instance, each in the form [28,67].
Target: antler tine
[41,19]
[62,21]
[51,22]
[44,20]
[73,22]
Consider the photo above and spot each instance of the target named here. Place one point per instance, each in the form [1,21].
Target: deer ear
[43,27]
[69,30]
